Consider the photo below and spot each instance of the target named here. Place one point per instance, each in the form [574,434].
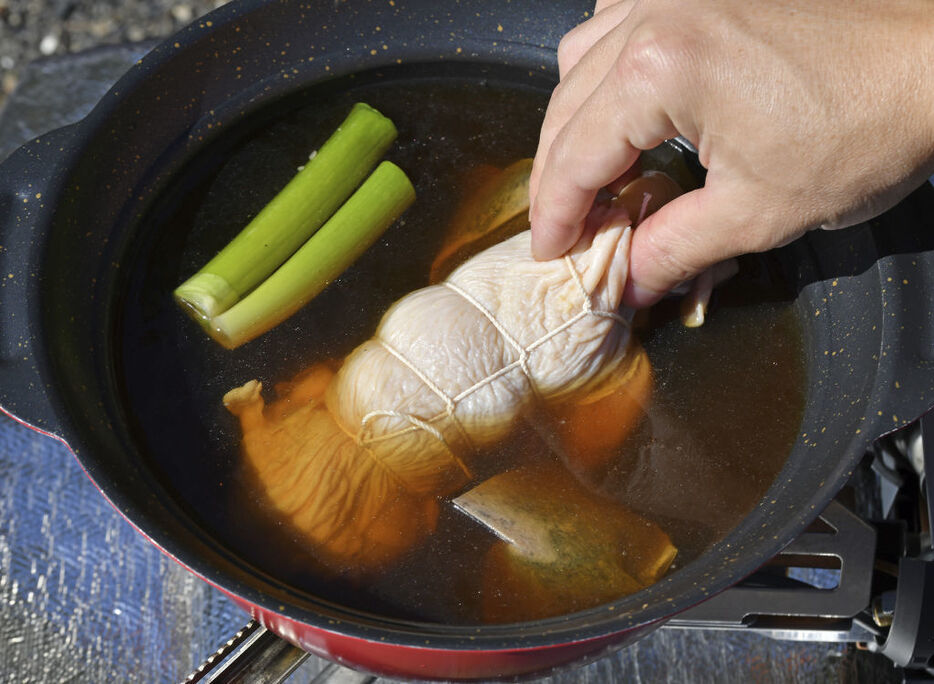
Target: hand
[806,113]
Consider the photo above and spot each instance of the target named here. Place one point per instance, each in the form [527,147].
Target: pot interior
[729,397]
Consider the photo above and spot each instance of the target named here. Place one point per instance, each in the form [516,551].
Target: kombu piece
[561,546]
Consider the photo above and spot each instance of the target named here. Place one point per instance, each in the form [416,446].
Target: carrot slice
[593,428]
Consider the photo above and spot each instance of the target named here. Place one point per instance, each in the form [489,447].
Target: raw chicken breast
[452,366]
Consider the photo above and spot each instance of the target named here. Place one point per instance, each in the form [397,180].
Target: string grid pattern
[365,436]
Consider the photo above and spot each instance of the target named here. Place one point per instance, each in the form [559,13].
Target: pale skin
[806,114]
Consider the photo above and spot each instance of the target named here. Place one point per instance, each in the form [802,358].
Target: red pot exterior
[400,661]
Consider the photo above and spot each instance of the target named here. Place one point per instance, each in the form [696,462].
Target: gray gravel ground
[32,29]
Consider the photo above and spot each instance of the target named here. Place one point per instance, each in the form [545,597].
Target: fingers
[762,97]
[626,111]
[694,305]
[584,65]
[683,239]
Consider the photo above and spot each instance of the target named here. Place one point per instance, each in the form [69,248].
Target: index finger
[599,142]
[568,185]
[585,56]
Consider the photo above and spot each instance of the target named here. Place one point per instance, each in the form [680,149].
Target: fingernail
[639,297]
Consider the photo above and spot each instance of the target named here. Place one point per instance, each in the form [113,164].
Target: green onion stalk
[287,222]
[344,237]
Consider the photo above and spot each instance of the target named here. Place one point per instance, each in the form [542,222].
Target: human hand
[806,113]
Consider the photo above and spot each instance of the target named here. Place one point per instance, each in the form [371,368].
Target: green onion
[292,216]
[355,226]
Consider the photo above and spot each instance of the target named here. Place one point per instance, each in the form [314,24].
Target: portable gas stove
[83,597]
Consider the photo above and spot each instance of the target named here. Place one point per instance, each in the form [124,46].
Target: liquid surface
[726,406]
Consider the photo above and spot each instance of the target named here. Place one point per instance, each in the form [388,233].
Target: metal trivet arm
[254,655]
[783,608]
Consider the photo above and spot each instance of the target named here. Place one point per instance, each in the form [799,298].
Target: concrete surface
[33,29]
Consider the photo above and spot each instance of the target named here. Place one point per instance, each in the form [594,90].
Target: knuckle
[658,56]
[643,56]
[570,49]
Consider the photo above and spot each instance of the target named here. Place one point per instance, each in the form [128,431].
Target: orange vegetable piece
[647,193]
[592,428]
[496,209]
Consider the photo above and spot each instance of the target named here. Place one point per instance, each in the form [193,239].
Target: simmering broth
[726,405]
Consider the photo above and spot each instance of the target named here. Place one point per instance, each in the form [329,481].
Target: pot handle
[30,179]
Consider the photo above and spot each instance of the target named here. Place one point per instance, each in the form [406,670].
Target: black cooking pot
[76,208]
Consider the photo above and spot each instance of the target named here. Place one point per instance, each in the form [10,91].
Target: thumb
[681,240]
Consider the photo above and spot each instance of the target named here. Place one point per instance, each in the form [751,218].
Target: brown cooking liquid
[727,400]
